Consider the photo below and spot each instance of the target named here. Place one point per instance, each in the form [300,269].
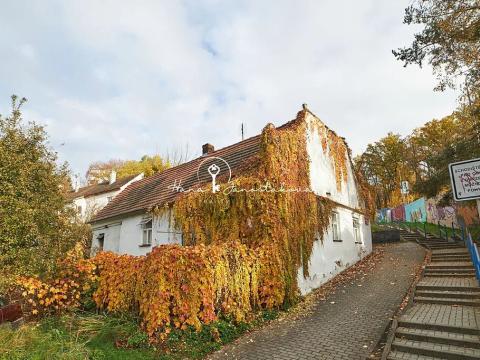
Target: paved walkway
[344,326]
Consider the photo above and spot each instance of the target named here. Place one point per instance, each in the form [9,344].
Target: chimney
[113,177]
[207,149]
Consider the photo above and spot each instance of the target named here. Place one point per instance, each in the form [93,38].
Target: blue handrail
[473,250]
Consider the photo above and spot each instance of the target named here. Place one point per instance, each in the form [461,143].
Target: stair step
[435,350]
[437,327]
[448,294]
[443,246]
[448,288]
[450,270]
[446,301]
[400,355]
[460,251]
[449,275]
[439,337]
[450,265]
[450,258]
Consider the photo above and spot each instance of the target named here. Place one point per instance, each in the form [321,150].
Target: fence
[473,250]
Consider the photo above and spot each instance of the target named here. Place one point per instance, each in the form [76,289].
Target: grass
[76,336]
[435,229]
[92,336]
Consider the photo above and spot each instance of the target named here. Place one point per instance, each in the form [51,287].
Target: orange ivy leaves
[76,276]
[176,286]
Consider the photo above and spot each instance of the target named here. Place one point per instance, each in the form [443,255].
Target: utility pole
[242,132]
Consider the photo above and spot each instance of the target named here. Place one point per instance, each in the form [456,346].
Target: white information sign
[465,176]
[404,187]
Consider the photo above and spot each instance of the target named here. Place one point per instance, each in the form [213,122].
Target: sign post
[465,177]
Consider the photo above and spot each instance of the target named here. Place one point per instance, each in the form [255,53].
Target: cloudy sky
[120,79]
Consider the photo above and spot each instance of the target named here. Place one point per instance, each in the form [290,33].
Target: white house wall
[331,257]
[322,170]
[125,236]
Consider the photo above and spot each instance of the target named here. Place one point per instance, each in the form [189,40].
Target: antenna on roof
[242,132]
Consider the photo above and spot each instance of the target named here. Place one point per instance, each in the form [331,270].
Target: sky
[121,79]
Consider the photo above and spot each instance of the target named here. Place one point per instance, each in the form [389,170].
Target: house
[90,199]
[127,226]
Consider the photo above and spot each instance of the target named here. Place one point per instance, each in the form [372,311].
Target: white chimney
[113,177]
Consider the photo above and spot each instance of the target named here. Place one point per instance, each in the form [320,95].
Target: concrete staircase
[444,321]
[430,241]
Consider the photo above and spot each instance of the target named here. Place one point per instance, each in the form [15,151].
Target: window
[101,241]
[109,198]
[356,231]
[336,226]
[147,233]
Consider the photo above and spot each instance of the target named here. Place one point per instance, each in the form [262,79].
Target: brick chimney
[207,149]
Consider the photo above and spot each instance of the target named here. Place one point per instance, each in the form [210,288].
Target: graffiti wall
[383,215]
[467,213]
[463,213]
[398,213]
[415,211]
[443,215]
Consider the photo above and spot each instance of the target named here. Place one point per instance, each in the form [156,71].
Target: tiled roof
[99,188]
[156,190]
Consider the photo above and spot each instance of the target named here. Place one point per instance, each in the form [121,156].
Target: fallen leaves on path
[358,271]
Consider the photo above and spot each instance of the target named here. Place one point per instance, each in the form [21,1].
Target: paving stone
[346,329]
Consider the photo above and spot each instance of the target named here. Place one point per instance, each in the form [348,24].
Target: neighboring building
[90,199]
[126,226]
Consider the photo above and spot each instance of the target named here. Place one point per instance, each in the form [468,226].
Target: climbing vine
[249,210]
[244,244]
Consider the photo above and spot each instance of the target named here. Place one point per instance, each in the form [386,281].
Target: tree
[449,41]
[148,165]
[384,165]
[453,138]
[36,226]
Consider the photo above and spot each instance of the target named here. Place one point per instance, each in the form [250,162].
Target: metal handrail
[473,250]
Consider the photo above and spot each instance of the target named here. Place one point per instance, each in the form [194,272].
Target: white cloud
[119,80]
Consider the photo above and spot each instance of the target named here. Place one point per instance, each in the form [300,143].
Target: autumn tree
[384,166]
[148,165]
[36,226]
[449,41]
[453,138]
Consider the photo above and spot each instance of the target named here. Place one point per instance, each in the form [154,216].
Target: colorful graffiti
[415,211]
[443,215]
[384,215]
[467,213]
[398,213]
[463,213]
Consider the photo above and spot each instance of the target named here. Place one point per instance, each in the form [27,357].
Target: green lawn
[436,229]
[92,336]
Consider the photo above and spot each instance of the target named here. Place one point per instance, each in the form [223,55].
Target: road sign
[404,187]
[465,177]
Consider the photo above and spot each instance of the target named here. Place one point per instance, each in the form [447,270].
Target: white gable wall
[331,257]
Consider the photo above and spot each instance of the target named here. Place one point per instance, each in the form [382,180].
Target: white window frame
[357,234]
[336,235]
[147,232]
